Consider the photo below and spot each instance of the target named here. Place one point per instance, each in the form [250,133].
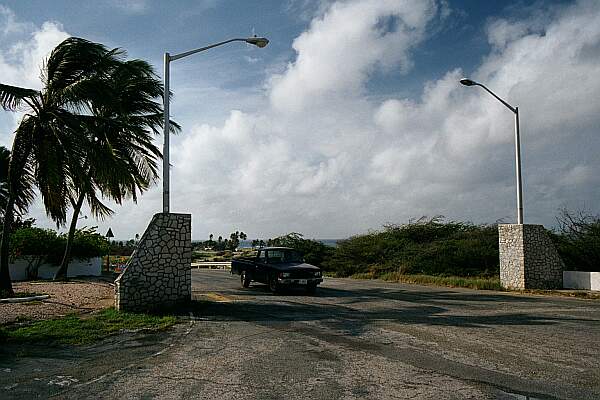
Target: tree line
[221,244]
[436,246]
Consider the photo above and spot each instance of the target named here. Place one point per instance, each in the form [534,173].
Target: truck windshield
[285,256]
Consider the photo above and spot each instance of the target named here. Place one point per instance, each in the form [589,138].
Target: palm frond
[75,59]
[4,161]
[83,95]
[13,97]
[98,209]
[19,180]
[91,130]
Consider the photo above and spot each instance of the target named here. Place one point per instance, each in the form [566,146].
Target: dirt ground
[76,296]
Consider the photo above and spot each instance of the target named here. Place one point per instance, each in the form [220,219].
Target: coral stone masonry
[158,273]
[528,259]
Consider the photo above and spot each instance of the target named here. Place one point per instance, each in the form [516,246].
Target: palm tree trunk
[61,274]
[6,288]
[16,165]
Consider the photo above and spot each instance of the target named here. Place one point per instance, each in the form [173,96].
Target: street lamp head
[468,82]
[258,41]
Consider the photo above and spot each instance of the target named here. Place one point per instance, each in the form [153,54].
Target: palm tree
[4,159]
[121,158]
[51,148]
[23,198]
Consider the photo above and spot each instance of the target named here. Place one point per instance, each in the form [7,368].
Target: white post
[518,169]
[166,139]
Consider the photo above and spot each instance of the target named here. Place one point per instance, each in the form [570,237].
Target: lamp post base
[528,259]
[158,274]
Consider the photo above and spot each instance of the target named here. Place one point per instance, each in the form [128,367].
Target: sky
[352,117]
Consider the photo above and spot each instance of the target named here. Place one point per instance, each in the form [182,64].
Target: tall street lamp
[515,110]
[256,41]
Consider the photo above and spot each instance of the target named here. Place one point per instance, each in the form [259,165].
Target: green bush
[87,243]
[578,240]
[431,247]
[46,242]
[314,252]
[34,242]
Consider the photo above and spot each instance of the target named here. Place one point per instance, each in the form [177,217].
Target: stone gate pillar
[158,273]
[528,259]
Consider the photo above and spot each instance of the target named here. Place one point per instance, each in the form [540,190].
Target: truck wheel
[273,284]
[245,279]
[311,288]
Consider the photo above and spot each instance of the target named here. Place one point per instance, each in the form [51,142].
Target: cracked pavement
[353,340]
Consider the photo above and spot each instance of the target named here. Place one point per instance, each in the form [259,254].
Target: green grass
[79,330]
[481,283]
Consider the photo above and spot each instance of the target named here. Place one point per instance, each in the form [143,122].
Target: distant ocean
[329,242]
[248,243]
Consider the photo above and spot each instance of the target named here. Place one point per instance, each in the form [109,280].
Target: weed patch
[79,330]
[481,283]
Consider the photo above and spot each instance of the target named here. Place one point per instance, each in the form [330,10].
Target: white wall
[84,267]
[17,269]
[581,280]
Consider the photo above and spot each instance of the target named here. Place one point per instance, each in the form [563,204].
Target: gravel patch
[65,298]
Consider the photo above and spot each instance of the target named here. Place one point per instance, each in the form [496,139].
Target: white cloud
[317,154]
[9,23]
[22,57]
[251,60]
[131,6]
[550,74]
[325,160]
[341,48]
[20,64]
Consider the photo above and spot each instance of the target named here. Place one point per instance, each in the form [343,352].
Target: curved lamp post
[515,110]
[256,41]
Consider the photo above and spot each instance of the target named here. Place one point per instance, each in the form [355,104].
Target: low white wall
[17,269]
[581,280]
[85,267]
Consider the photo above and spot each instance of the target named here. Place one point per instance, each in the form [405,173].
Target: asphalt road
[352,340]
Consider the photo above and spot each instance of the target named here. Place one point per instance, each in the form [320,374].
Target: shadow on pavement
[355,321]
[422,295]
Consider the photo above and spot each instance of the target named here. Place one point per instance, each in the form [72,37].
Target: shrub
[87,243]
[34,242]
[121,248]
[578,240]
[314,252]
[431,247]
[50,245]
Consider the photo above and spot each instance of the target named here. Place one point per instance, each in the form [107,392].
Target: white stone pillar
[528,259]
[158,274]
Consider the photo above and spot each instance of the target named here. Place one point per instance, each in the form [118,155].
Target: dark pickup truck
[278,267]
